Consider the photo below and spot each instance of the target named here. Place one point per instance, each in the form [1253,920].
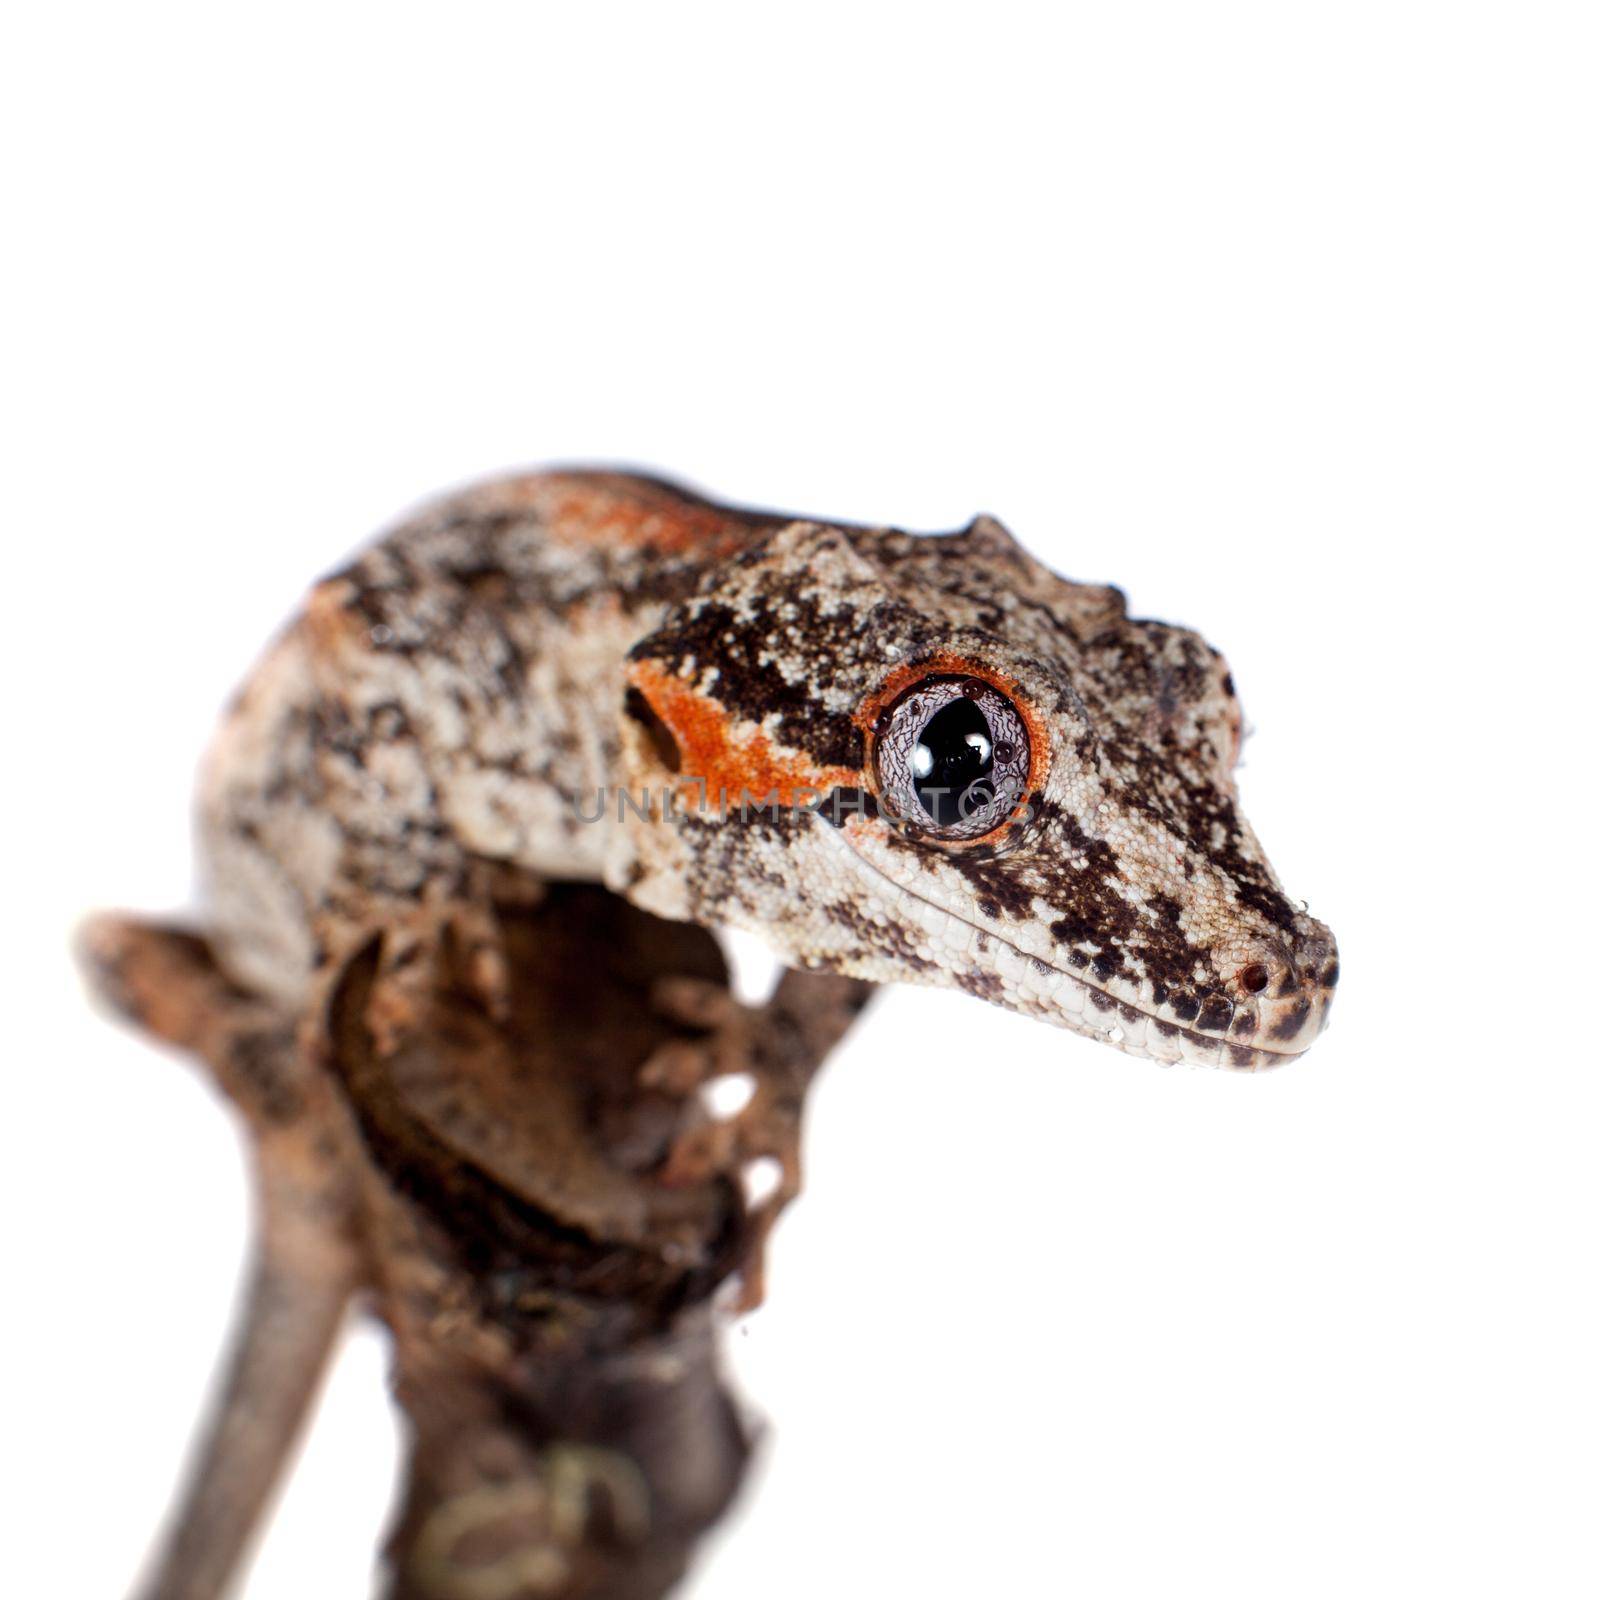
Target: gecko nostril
[1254,978]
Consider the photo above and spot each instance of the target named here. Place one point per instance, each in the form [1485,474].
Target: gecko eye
[952,757]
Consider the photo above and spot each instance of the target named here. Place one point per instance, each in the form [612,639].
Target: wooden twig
[540,1217]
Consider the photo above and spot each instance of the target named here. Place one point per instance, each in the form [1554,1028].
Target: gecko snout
[1290,987]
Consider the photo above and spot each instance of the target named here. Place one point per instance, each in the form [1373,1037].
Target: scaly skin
[491,672]
[462,1081]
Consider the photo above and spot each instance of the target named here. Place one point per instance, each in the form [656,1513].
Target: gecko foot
[457,948]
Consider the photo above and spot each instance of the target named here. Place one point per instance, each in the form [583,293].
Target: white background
[1282,317]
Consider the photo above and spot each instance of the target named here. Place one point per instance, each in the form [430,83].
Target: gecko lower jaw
[1064,997]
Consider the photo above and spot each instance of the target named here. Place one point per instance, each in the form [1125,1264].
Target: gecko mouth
[1138,1029]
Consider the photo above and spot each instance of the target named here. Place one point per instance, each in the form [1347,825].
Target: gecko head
[970,772]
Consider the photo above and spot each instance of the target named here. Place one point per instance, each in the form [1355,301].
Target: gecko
[465,834]
[897,757]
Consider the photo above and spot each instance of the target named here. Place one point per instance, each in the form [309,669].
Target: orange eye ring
[954,752]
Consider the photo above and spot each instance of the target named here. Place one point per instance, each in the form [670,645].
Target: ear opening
[661,739]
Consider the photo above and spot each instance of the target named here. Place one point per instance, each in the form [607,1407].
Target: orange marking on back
[733,758]
[612,510]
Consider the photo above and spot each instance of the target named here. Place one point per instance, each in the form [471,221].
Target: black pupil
[952,762]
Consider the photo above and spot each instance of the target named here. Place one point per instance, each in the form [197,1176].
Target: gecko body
[473,1092]
[965,769]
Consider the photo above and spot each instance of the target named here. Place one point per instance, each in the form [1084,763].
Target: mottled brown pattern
[473,1089]
[458,695]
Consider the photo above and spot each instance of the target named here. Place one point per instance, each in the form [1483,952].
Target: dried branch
[539,1209]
